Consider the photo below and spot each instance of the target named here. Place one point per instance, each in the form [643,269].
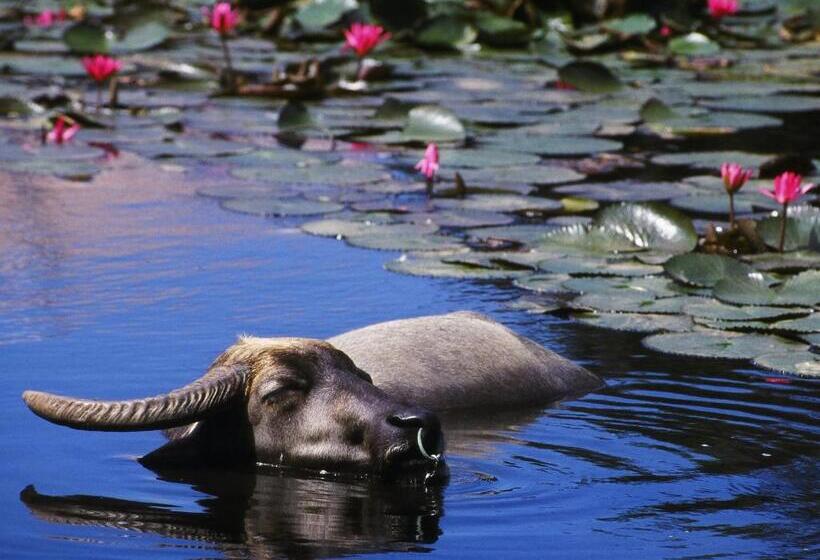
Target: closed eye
[281,389]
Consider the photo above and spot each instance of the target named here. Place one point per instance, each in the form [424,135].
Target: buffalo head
[283,401]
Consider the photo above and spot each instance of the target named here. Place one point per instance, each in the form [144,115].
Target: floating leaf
[503,31]
[808,324]
[350,228]
[699,269]
[802,363]
[693,44]
[589,76]
[721,344]
[751,289]
[446,32]
[479,158]
[657,287]
[650,225]
[389,241]
[543,283]
[655,110]
[802,229]
[765,103]
[524,174]
[338,175]
[279,206]
[597,267]
[633,302]
[431,123]
[636,24]
[625,190]
[637,322]
[142,34]
[416,266]
[709,160]
[712,309]
[318,14]
[797,260]
[583,239]
[498,203]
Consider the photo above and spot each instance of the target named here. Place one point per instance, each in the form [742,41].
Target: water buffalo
[364,400]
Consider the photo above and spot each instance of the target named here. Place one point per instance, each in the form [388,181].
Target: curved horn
[179,407]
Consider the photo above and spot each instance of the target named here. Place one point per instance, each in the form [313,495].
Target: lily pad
[751,289]
[808,324]
[634,191]
[589,76]
[796,260]
[485,158]
[650,225]
[637,322]
[802,229]
[576,146]
[416,266]
[446,32]
[388,241]
[721,344]
[597,267]
[765,103]
[657,287]
[279,206]
[521,174]
[431,123]
[498,203]
[698,269]
[318,14]
[143,34]
[709,160]
[350,228]
[712,309]
[543,283]
[633,302]
[587,239]
[635,24]
[693,44]
[316,174]
[804,363]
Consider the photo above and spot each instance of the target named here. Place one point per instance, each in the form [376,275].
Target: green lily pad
[693,44]
[652,286]
[587,239]
[765,103]
[501,31]
[417,266]
[431,123]
[654,110]
[349,228]
[589,76]
[479,158]
[711,124]
[650,225]
[633,302]
[712,309]
[527,234]
[143,34]
[576,146]
[751,289]
[803,363]
[635,24]
[575,205]
[637,322]
[709,160]
[802,229]
[457,219]
[498,203]
[543,283]
[520,174]
[446,32]
[625,190]
[317,174]
[597,267]
[796,260]
[318,14]
[721,344]
[808,324]
[702,270]
[388,241]
[279,206]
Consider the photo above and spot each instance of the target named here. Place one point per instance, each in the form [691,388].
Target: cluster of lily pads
[585,178]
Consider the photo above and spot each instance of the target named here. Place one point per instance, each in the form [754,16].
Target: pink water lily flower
[100,67]
[721,8]
[429,163]
[46,18]
[734,176]
[787,188]
[364,37]
[61,132]
[222,18]
[665,31]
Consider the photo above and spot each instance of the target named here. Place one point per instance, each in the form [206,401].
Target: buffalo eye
[276,391]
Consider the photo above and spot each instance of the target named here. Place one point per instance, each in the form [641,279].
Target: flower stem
[429,186]
[228,64]
[99,96]
[783,226]
[731,210]
[359,68]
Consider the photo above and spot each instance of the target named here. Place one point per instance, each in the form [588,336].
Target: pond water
[127,289]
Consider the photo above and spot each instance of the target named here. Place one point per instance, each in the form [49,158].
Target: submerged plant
[362,38]
[722,8]
[223,19]
[787,189]
[99,68]
[428,165]
[734,177]
[62,131]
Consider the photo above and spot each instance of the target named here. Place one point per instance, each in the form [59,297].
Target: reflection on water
[131,285]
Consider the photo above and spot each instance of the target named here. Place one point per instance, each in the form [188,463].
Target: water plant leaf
[587,239]
[484,157]
[709,160]
[339,228]
[142,34]
[446,32]
[521,174]
[597,267]
[653,286]
[389,241]
[637,322]
[543,283]
[635,24]
[751,289]
[339,175]
[633,302]
[431,123]
[805,364]
[802,229]
[808,324]
[501,31]
[625,190]
[274,206]
[654,110]
[434,267]
[721,344]
[650,225]
[712,309]
[796,260]
[693,44]
[702,270]
[589,76]
[498,203]
[765,103]
[318,14]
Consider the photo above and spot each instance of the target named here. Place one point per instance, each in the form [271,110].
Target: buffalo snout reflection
[263,515]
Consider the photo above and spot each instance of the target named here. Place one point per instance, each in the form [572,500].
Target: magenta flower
[665,31]
[61,132]
[429,163]
[46,18]
[787,189]
[222,18]
[734,176]
[721,8]
[100,67]
[364,37]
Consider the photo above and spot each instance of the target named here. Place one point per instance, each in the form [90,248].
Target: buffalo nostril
[407,421]
[430,443]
